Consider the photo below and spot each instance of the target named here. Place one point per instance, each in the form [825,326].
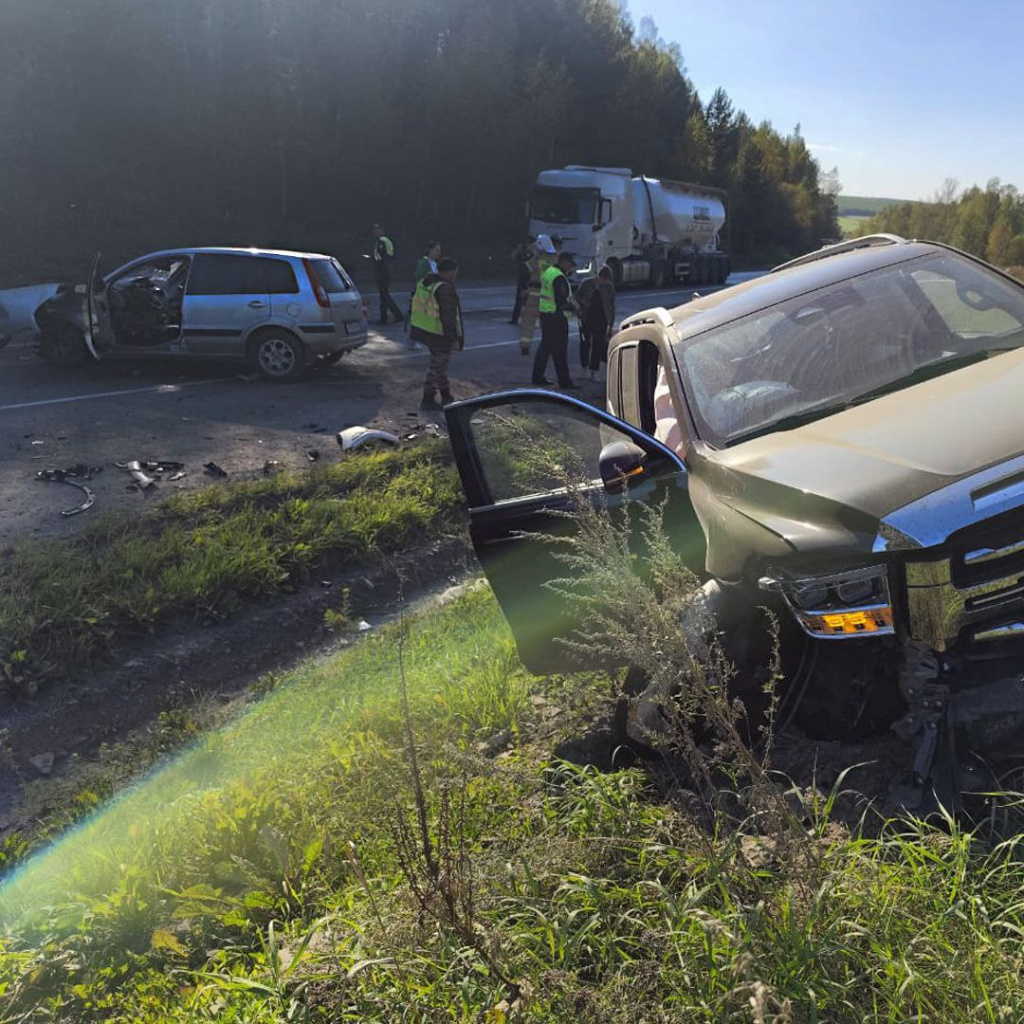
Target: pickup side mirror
[622,465]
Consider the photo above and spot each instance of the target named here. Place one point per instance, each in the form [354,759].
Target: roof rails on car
[864,242]
[657,315]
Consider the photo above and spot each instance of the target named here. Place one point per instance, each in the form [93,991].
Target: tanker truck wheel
[659,274]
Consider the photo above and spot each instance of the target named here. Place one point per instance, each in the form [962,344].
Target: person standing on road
[426,264]
[556,305]
[584,293]
[437,323]
[597,319]
[545,254]
[383,257]
[522,255]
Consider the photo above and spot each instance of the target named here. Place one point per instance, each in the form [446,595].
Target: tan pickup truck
[841,440]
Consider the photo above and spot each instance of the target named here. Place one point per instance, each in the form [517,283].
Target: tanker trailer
[648,230]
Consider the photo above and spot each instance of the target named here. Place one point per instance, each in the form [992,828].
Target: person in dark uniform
[383,257]
[597,317]
[522,255]
[556,306]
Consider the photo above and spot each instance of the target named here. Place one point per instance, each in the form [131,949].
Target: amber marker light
[849,623]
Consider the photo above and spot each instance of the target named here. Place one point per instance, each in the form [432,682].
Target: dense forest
[986,222]
[132,125]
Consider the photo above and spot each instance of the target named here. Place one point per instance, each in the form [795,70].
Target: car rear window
[230,274]
[330,277]
[274,276]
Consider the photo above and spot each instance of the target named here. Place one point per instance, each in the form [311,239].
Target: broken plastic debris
[312,454]
[180,475]
[214,470]
[364,626]
[72,476]
[355,437]
[135,468]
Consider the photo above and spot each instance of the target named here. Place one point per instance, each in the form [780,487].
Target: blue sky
[899,94]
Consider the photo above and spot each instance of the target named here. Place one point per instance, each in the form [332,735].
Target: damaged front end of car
[937,617]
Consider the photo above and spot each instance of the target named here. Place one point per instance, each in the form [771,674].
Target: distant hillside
[862,206]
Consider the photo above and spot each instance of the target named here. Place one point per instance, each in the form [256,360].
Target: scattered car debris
[146,472]
[271,466]
[73,476]
[214,470]
[179,475]
[135,469]
[356,437]
[313,454]
[364,626]
[38,442]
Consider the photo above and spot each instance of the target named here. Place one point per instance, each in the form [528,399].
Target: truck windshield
[564,205]
[817,353]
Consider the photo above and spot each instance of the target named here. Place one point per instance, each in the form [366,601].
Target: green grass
[863,206]
[267,875]
[204,554]
[850,226]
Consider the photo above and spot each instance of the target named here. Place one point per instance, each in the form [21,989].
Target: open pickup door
[516,451]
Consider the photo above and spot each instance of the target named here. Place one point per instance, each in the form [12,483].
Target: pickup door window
[526,458]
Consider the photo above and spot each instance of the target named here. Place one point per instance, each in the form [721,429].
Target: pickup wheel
[63,345]
[278,355]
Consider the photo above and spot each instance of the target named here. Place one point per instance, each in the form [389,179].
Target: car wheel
[278,355]
[63,345]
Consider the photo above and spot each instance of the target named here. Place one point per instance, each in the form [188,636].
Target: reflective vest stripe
[389,249]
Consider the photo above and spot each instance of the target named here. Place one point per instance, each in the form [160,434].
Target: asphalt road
[197,412]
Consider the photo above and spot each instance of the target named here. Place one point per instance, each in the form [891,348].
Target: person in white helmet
[545,255]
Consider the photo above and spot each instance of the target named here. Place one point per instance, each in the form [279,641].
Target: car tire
[278,355]
[63,345]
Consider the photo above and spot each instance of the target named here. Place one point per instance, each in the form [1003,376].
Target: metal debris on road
[214,470]
[356,437]
[73,476]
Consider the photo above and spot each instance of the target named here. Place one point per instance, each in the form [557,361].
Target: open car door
[99,328]
[526,459]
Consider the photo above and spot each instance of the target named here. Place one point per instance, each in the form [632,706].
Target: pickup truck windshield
[812,355]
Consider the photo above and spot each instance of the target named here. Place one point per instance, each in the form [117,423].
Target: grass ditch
[64,606]
[272,874]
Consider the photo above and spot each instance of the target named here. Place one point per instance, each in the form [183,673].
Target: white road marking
[164,389]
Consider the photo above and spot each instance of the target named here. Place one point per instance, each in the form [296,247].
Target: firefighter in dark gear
[556,306]
[437,323]
[544,256]
[383,257]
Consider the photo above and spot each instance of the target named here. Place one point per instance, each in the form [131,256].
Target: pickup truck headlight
[840,606]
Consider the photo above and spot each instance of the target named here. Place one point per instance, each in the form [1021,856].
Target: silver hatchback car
[280,311]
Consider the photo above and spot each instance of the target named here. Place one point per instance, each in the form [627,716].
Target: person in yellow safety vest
[544,255]
[437,323]
[556,305]
[383,257]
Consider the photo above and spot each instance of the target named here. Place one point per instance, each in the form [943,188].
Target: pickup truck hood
[878,457]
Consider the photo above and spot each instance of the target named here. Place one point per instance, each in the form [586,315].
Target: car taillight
[322,298]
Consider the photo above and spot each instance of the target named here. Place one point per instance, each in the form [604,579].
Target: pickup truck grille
[992,551]
[976,595]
